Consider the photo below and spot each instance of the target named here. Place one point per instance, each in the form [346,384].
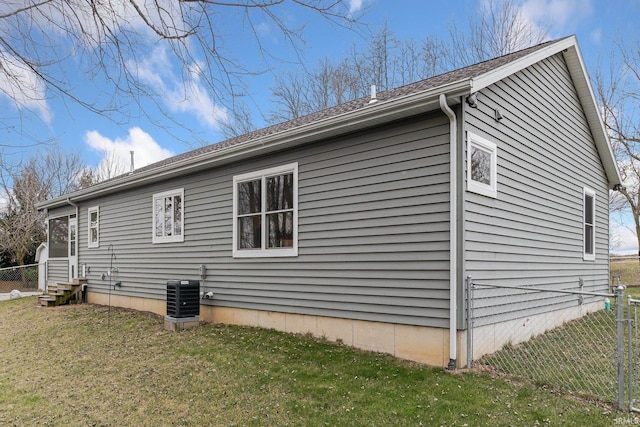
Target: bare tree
[290,97]
[40,40]
[387,62]
[618,89]
[344,83]
[108,168]
[377,62]
[22,227]
[240,121]
[498,28]
[321,93]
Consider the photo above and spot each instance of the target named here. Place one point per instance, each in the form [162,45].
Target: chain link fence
[562,340]
[22,278]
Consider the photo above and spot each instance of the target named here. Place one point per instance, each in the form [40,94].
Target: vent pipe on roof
[373,94]
[132,165]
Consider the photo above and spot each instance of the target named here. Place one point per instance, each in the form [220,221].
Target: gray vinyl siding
[58,270]
[373,232]
[532,233]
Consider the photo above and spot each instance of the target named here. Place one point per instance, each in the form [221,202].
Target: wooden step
[61,293]
[47,300]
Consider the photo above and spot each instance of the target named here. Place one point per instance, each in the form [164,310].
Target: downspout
[453,214]
[74,205]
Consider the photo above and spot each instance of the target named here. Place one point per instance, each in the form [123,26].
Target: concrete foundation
[176,324]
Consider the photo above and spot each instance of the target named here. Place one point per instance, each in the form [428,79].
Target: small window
[59,237]
[168,216]
[93,215]
[589,220]
[482,166]
[265,213]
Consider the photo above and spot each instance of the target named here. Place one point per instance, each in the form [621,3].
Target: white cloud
[596,36]
[355,6]
[562,16]
[180,94]
[22,87]
[91,23]
[116,155]
[264,30]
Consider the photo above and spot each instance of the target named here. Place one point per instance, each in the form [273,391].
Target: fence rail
[22,278]
[563,339]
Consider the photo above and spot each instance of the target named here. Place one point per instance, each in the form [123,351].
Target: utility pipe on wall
[453,238]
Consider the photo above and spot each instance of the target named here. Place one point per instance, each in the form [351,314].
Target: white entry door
[73,248]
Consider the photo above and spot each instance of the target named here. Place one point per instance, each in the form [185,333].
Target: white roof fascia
[500,73]
[573,57]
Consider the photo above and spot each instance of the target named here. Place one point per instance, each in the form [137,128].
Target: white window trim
[167,239]
[486,145]
[586,256]
[266,252]
[91,210]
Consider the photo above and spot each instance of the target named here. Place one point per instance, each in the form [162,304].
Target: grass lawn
[627,269]
[70,366]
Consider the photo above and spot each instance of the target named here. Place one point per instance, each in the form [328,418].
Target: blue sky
[595,23]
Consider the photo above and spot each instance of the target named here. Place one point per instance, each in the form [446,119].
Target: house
[360,222]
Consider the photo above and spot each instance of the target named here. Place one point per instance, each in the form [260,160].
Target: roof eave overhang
[573,57]
[375,113]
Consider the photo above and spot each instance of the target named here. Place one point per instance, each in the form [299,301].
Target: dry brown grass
[627,269]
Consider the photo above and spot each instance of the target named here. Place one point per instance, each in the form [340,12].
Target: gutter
[453,238]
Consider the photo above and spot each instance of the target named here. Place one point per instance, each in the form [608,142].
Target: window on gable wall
[482,165]
[168,216]
[93,214]
[589,220]
[265,213]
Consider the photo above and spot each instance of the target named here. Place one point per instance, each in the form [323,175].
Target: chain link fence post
[620,320]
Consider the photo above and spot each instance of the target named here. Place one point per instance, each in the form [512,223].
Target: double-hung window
[482,165]
[168,216]
[265,213]
[589,221]
[93,215]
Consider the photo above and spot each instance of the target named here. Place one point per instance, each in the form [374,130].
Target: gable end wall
[532,233]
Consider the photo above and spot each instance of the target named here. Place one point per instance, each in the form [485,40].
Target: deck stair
[62,293]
